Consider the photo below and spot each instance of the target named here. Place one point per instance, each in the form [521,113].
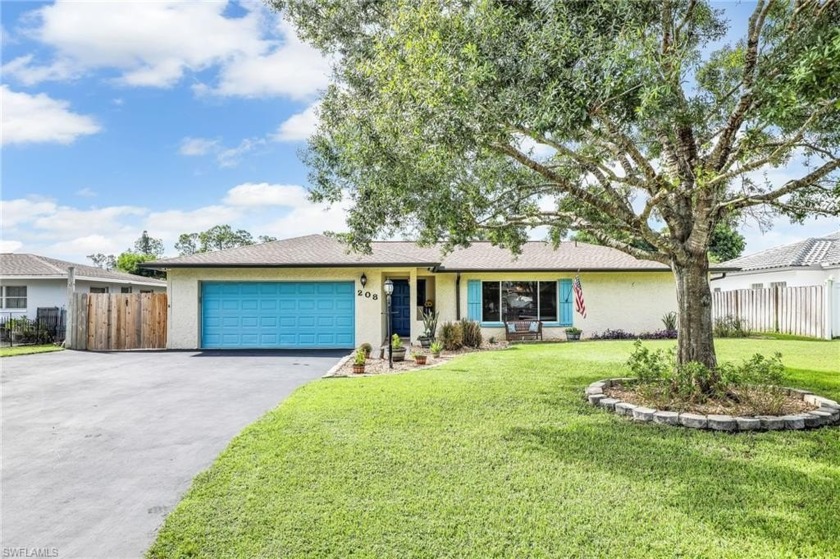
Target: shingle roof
[319,251]
[483,256]
[810,253]
[31,265]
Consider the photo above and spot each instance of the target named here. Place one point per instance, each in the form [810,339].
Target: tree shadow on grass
[729,482]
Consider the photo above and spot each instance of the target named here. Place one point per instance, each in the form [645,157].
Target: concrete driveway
[98,447]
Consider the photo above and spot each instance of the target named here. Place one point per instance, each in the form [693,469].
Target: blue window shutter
[474,300]
[565,302]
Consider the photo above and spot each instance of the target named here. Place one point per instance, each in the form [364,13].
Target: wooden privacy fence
[800,311]
[111,321]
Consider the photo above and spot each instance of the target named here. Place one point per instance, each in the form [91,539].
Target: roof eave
[173,265]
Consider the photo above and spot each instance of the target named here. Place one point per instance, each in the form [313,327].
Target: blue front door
[284,315]
[401,308]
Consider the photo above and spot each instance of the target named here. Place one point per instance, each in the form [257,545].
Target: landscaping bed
[379,366]
[736,405]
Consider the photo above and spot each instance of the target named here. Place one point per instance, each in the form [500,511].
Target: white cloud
[783,232]
[231,157]
[308,220]
[169,224]
[225,156]
[68,221]
[264,194]
[43,226]
[9,246]
[299,126]
[40,118]
[86,192]
[22,210]
[197,146]
[292,69]
[154,44]
[80,247]
[529,145]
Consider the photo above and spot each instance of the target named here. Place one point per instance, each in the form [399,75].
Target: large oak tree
[633,121]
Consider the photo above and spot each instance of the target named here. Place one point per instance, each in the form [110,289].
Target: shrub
[622,335]
[451,336]
[471,332]
[366,348]
[614,335]
[430,320]
[730,326]
[436,347]
[360,357]
[669,320]
[756,381]
[396,342]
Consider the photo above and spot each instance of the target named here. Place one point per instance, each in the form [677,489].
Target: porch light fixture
[363,279]
[389,290]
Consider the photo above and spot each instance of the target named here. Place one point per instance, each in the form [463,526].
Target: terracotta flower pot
[358,369]
[420,359]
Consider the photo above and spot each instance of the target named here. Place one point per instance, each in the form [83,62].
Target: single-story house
[29,282]
[809,262]
[309,292]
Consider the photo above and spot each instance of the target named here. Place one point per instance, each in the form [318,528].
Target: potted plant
[359,362]
[419,357]
[367,348]
[573,334]
[430,320]
[436,348]
[397,348]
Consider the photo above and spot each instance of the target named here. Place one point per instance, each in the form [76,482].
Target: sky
[173,117]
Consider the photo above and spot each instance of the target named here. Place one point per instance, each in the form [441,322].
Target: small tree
[613,117]
[106,261]
[148,245]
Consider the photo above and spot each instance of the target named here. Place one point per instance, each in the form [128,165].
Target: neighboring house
[29,282]
[809,262]
[308,292]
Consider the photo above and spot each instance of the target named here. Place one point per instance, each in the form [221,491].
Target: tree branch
[721,151]
[789,187]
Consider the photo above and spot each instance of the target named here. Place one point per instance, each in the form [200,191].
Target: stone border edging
[827,414]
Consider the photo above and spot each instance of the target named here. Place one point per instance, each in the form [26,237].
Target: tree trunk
[694,298]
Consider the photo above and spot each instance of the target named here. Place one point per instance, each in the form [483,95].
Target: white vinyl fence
[812,311]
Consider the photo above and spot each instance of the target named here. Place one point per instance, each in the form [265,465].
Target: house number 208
[367,295]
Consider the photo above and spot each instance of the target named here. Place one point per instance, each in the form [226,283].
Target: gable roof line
[810,253]
[15,265]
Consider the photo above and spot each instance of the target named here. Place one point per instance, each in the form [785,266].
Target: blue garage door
[285,315]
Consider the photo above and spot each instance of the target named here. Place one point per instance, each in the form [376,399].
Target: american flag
[580,306]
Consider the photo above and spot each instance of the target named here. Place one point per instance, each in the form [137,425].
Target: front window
[99,290]
[519,300]
[15,297]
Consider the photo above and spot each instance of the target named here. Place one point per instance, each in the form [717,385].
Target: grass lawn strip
[497,454]
[28,350]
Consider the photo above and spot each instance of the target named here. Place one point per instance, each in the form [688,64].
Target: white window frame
[4,297]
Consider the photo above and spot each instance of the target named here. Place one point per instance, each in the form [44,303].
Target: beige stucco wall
[630,301]
[634,302]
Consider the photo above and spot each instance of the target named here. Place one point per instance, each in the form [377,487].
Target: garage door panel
[278,315]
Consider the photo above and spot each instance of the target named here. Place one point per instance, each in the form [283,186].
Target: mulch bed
[791,405]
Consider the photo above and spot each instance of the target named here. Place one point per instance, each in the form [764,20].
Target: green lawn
[497,455]
[28,349]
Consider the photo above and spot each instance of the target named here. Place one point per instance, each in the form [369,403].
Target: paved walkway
[98,447]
